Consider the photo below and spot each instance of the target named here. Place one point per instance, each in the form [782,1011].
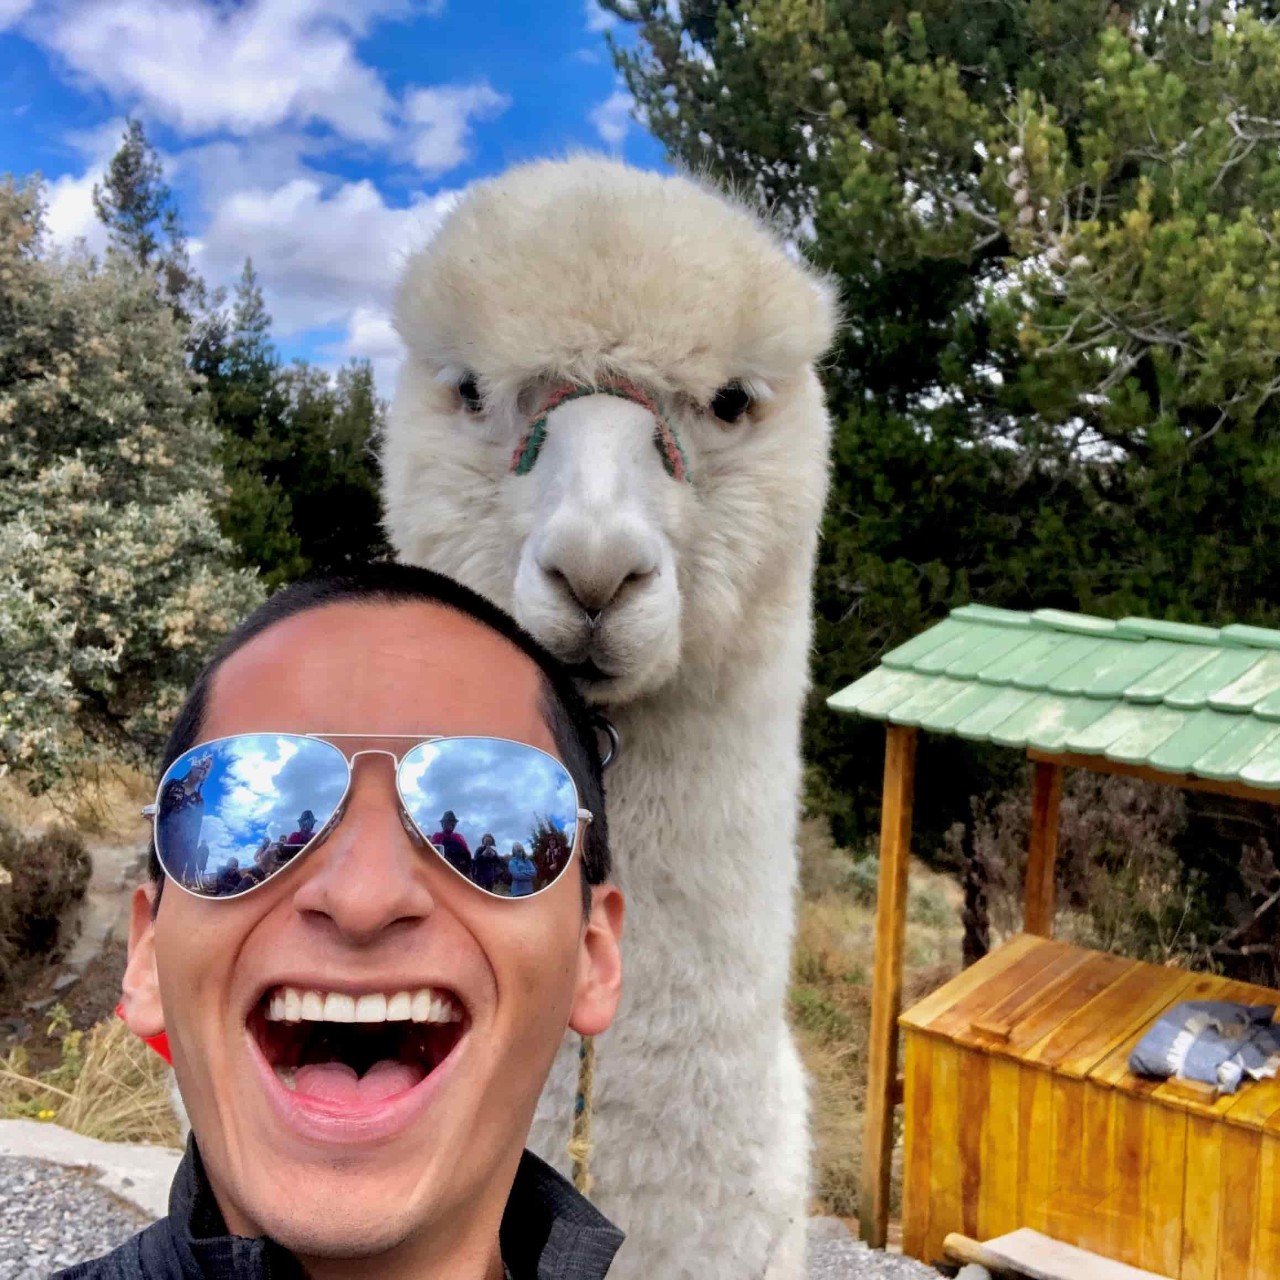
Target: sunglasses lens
[503,814]
[233,812]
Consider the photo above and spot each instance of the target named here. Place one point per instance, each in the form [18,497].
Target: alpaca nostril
[593,593]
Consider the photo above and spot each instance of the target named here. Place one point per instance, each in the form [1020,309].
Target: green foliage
[137,208]
[114,578]
[298,447]
[1053,227]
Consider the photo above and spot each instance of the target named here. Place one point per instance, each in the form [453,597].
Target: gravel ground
[54,1216]
[835,1255]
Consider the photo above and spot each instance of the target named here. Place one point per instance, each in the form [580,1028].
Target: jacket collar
[549,1231]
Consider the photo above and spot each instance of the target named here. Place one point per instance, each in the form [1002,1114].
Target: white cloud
[69,214]
[12,11]
[599,19]
[612,118]
[371,336]
[202,67]
[322,253]
[440,122]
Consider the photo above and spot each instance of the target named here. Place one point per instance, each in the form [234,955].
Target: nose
[592,566]
[369,877]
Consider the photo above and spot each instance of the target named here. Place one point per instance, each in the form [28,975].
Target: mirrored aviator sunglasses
[232,813]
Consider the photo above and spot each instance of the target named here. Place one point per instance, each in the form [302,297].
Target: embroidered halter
[665,440]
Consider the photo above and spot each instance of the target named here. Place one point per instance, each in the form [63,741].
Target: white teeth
[339,1007]
[288,1076]
[292,1004]
[371,1008]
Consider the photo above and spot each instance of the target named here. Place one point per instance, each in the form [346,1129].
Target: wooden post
[886,992]
[1042,856]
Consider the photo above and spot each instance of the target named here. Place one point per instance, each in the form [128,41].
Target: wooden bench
[1020,1111]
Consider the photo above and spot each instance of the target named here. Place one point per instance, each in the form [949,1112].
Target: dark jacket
[549,1232]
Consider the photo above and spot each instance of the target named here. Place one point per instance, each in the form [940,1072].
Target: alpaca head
[608,419]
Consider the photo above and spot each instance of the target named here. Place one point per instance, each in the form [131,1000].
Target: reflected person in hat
[452,843]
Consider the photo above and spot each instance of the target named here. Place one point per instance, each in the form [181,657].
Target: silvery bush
[115,582]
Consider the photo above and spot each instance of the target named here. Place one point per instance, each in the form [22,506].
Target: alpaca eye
[731,402]
[470,394]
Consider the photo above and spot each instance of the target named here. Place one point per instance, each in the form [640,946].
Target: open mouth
[355,1050]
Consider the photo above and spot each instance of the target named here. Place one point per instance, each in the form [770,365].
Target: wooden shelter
[1196,707]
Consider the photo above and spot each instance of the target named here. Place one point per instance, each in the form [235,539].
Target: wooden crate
[1020,1111]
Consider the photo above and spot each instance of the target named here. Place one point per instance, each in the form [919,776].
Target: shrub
[47,875]
[1121,883]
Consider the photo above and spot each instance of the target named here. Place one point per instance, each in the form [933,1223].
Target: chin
[344,1234]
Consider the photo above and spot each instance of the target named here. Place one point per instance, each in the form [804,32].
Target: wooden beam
[886,991]
[1042,856]
[1189,782]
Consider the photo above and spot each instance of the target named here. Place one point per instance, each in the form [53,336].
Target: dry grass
[102,802]
[831,995]
[109,1085]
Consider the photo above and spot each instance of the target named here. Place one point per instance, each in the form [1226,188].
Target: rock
[972,1271]
[65,980]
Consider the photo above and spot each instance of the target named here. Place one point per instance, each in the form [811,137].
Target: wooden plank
[1020,980]
[1202,1200]
[1265,1260]
[973,1122]
[1042,856]
[1033,1012]
[1035,1129]
[946,1195]
[965,983]
[1000,1186]
[1241,1152]
[1081,1042]
[1164,1176]
[916,1139]
[886,993]
[1039,1257]
[1100,764]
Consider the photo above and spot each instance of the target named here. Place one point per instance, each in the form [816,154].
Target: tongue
[337,1082]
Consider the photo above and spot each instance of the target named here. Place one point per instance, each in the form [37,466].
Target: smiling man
[361,1031]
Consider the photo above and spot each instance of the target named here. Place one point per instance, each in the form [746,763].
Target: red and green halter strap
[665,439]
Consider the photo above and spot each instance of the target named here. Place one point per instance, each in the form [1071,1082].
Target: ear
[141,986]
[599,963]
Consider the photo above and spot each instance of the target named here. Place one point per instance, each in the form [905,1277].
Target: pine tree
[1053,228]
[135,204]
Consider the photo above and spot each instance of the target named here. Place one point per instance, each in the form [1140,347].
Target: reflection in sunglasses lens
[503,814]
[235,811]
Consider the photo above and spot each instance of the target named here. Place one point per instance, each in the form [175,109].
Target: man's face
[371,910]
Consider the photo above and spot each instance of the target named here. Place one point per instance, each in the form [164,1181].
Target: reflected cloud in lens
[493,786]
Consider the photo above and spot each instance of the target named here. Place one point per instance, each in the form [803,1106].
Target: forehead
[378,668]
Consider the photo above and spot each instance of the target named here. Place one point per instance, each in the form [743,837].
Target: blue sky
[325,138]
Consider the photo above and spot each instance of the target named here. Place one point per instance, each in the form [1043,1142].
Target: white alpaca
[685,605]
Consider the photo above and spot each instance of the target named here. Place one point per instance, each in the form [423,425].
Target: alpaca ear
[141,986]
[599,963]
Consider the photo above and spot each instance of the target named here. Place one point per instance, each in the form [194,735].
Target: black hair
[573,726]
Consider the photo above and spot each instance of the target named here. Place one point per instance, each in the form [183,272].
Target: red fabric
[159,1043]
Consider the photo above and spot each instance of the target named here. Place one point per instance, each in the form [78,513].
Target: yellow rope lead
[580,1142]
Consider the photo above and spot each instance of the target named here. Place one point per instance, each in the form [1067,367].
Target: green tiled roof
[1168,695]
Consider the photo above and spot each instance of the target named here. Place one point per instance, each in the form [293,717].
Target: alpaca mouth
[589,673]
